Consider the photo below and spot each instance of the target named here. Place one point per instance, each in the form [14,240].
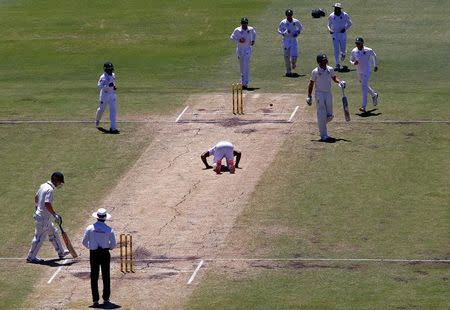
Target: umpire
[99,238]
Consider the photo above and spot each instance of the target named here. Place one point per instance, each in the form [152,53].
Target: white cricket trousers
[364,79]
[44,228]
[339,45]
[324,106]
[244,54]
[110,100]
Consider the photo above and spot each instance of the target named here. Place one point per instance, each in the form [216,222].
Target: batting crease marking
[56,272]
[181,114]
[195,272]
[293,113]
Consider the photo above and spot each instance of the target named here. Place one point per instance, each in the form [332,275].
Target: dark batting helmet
[289,12]
[108,67]
[359,40]
[321,57]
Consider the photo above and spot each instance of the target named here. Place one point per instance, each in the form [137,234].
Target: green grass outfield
[383,194]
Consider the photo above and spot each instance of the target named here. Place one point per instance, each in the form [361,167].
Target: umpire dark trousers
[100,258]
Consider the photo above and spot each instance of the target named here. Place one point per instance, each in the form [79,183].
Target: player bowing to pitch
[223,149]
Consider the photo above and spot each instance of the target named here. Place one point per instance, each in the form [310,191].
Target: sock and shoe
[35,260]
[64,254]
[375,99]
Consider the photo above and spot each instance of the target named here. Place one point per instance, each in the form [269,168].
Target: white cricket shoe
[35,260]
[63,254]
[375,99]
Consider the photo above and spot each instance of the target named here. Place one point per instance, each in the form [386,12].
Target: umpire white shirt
[99,236]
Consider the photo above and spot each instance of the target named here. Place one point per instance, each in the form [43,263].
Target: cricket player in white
[321,78]
[290,28]
[339,23]
[223,149]
[43,216]
[107,86]
[361,58]
[245,37]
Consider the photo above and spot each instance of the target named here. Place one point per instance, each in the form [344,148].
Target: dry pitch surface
[178,212]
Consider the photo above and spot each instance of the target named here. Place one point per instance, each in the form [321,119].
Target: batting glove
[309,100]
[58,219]
[342,84]
[111,84]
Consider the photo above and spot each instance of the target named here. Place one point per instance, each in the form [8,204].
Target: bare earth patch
[178,212]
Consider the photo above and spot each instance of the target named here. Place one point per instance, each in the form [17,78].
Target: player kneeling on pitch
[223,149]
[321,77]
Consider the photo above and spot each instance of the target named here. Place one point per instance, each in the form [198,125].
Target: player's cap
[58,175]
[337,5]
[244,20]
[101,214]
[359,40]
[321,57]
[289,12]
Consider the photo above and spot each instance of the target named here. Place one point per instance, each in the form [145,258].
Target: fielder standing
[107,86]
[339,23]
[361,58]
[44,213]
[321,78]
[99,238]
[290,28]
[245,37]
[223,149]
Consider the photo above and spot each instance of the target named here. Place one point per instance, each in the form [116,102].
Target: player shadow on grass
[251,88]
[345,69]
[295,75]
[331,140]
[106,131]
[108,305]
[369,113]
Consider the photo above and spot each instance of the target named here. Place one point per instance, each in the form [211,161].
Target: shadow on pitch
[369,113]
[106,305]
[251,88]
[331,140]
[223,168]
[57,262]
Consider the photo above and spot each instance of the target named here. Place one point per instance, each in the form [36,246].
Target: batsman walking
[321,78]
[43,215]
[99,238]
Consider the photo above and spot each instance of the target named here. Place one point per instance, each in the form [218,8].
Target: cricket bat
[345,106]
[68,243]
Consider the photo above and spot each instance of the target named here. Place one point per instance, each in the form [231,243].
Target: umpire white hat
[101,214]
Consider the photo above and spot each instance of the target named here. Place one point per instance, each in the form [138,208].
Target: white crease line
[293,113]
[181,114]
[195,272]
[56,272]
